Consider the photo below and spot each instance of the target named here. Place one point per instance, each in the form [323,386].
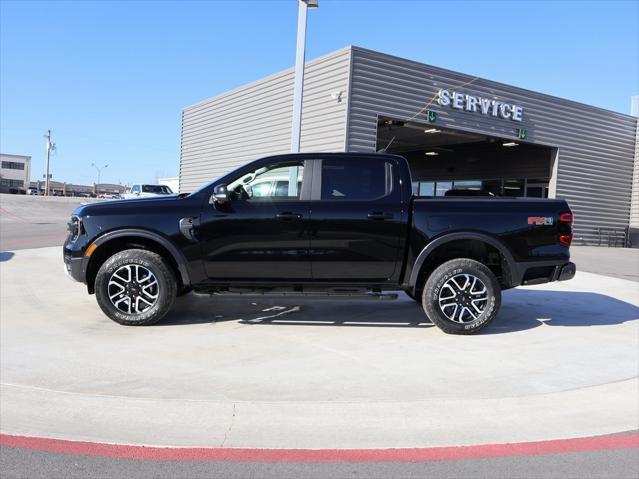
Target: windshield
[157,189]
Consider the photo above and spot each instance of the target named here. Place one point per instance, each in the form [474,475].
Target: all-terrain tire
[166,286]
[438,286]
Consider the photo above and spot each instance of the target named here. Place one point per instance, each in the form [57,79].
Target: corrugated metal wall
[596,146]
[634,207]
[224,132]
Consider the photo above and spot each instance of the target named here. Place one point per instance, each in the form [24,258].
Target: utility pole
[50,148]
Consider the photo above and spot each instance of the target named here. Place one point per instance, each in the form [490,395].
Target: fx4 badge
[540,220]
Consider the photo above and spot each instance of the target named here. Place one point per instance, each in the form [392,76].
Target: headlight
[74,227]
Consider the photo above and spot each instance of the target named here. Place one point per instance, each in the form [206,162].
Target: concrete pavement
[561,361]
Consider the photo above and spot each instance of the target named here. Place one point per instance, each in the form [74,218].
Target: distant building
[69,189]
[15,173]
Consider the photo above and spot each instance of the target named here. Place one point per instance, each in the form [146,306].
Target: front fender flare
[430,247]
[177,255]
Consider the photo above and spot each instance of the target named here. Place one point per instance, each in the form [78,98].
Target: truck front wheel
[135,287]
[462,296]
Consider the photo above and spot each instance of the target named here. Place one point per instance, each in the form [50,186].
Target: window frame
[12,165]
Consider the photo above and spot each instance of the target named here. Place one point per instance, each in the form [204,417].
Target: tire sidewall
[155,264]
[439,277]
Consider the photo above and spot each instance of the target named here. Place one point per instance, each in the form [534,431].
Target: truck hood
[125,206]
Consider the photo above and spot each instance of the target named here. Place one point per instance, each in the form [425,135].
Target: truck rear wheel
[462,296]
[135,287]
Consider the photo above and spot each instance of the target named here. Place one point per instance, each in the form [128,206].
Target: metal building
[458,132]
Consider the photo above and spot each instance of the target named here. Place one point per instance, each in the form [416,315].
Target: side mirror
[220,195]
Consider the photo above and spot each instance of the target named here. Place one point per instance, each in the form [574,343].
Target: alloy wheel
[463,298]
[133,289]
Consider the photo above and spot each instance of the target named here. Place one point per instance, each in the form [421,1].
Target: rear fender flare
[430,247]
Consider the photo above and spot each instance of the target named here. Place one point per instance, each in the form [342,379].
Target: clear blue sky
[110,78]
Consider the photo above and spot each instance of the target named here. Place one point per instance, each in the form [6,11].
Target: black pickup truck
[322,225]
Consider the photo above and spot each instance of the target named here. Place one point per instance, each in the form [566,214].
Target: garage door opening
[448,162]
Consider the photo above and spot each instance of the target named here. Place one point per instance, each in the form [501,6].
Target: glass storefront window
[492,186]
[427,188]
[513,188]
[534,188]
[441,187]
[537,188]
[467,185]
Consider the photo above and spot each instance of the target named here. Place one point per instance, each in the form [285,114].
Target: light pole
[303,6]
[50,148]
[99,170]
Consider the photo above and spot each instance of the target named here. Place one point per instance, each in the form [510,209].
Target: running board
[303,295]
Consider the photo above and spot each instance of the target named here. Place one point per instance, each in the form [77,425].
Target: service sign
[477,104]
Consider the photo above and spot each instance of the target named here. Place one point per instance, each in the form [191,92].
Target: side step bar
[304,295]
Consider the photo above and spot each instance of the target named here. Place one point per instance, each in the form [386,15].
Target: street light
[99,170]
[303,6]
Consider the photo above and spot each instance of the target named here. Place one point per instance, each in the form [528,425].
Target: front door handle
[288,216]
[380,216]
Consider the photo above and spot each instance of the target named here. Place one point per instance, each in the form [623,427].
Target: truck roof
[341,154]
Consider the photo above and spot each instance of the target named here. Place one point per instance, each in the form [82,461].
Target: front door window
[279,181]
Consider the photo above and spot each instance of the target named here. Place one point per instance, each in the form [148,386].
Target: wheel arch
[422,261]
[113,242]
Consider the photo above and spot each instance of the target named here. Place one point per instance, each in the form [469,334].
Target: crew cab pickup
[321,225]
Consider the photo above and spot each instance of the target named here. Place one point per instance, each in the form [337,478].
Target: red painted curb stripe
[7,212]
[598,443]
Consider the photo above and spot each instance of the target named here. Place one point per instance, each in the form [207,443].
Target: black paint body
[379,244]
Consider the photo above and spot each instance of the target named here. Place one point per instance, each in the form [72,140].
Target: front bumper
[74,266]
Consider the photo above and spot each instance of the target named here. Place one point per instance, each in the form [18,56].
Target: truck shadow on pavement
[6,256]
[521,309]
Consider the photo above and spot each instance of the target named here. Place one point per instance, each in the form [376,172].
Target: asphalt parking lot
[35,221]
[561,361]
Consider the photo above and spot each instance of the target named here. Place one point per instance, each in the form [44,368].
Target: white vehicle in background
[147,191]
[111,196]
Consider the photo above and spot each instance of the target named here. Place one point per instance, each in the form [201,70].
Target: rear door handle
[379,216]
[288,216]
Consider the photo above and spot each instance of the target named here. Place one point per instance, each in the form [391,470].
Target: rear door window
[355,179]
